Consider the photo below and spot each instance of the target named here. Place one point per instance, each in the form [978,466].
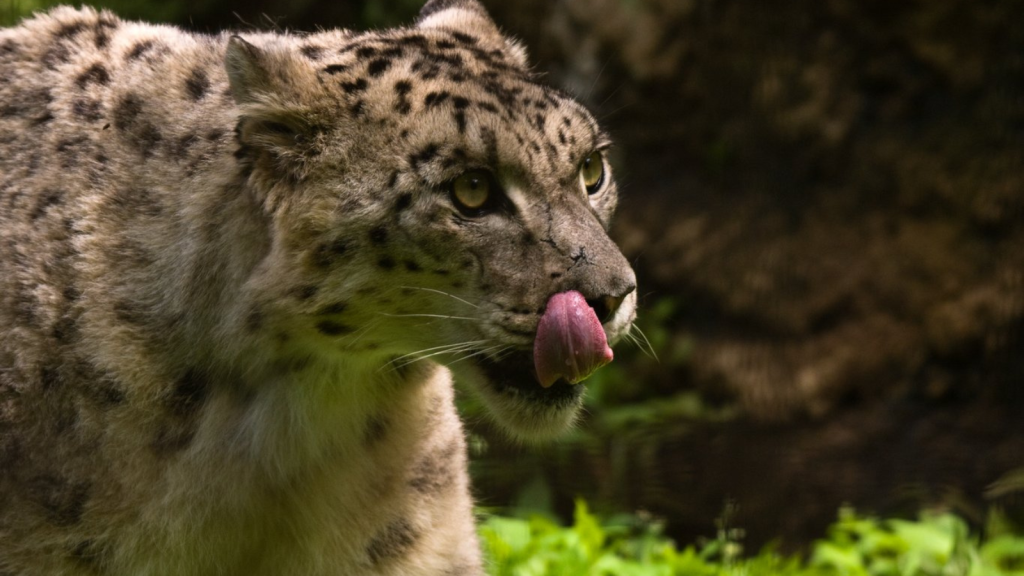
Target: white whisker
[359,334]
[425,357]
[502,354]
[443,293]
[486,351]
[445,316]
[645,346]
[442,348]
[596,78]
[493,353]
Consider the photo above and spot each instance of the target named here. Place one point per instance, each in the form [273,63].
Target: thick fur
[226,266]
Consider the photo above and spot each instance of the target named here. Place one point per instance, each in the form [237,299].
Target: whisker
[607,115]
[443,293]
[596,78]
[428,356]
[484,351]
[471,354]
[359,334]
[502,354]
[609,97]
[437,350]
[646,346]
[442,348]
[445,316]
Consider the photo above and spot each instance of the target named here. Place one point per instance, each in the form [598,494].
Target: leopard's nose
[606,305]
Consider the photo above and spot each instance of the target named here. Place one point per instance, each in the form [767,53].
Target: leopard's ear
[247,70]
[436,6]
[470,18]
[262,75]
[275,127]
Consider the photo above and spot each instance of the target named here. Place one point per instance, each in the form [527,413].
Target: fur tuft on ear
[435,6]
[247,71]
[518,53]
[268,74]
[279,143]
[275,132]
[287,132]
[469,17]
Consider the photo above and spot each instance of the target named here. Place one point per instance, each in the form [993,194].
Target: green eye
[472,190]
[592,172]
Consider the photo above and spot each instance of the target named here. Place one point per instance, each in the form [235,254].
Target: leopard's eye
[592,172]
[472,191]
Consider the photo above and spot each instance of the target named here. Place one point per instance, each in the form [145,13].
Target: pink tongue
[570,341]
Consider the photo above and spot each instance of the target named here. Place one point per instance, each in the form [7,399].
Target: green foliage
[11,11]
[935,545]
[386,13]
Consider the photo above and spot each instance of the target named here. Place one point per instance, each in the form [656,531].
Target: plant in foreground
[938,544]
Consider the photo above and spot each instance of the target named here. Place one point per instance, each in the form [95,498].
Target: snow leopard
[238,271]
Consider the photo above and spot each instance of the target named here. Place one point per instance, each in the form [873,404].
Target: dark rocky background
[833,193]
[824,201]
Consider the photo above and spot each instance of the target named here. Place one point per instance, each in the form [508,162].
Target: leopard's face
[441,201]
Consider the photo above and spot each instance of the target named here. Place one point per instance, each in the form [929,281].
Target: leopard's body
[226,266]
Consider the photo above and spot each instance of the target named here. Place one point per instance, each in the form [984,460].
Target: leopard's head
[429,199]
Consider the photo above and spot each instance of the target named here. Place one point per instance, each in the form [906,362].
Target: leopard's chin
[516,400]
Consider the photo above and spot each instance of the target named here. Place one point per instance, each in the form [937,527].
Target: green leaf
[1006,554]
[934,545]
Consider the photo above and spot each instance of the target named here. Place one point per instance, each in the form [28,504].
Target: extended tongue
[570,341]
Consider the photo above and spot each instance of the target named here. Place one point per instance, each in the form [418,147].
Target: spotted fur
[231,272]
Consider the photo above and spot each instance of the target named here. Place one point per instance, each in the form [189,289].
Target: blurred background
[824,202]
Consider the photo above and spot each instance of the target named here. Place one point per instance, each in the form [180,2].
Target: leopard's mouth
[511,391]
[535,392]
[514,375]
